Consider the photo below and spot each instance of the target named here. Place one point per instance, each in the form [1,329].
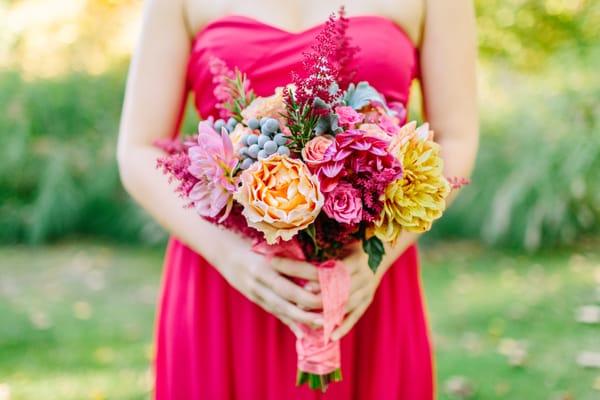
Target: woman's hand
[363,284]
[270,284]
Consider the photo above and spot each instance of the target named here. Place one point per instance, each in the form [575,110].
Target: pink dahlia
[354,152]
[212,161]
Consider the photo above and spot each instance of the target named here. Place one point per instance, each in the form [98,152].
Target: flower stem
[318,382]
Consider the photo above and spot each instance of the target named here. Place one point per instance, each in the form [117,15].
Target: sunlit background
[512,273]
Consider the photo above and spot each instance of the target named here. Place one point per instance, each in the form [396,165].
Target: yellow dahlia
[414,201]
[280,197]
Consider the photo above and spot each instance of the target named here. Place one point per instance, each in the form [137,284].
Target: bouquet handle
[319,358]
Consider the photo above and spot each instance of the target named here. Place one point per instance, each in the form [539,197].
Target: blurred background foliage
[62,72]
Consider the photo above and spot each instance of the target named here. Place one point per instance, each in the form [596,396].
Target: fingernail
[319,321]
[313,287]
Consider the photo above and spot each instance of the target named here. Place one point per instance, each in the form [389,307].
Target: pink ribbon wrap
[317,353]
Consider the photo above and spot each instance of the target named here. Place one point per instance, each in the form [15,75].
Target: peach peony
[315,149]
[272,106]
[280,197]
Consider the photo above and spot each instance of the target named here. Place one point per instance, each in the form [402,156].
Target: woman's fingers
[355,299]
[349,321]
[291,291]
[276,305]
[359,280]
[295,269]
[293,326]
[313,287]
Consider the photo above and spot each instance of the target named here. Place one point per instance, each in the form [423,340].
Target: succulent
[362,94]
[328,123]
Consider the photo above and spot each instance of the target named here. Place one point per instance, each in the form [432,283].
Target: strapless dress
[212,342]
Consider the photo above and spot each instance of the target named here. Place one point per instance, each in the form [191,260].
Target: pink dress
[213,343]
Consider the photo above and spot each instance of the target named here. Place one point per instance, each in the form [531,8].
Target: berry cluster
[229,125]
[266,140]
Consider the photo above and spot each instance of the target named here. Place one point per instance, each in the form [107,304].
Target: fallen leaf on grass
[588,314]
[39,320]
[472,342]
[588,359]
[514,350]
[459,387]
[82,310]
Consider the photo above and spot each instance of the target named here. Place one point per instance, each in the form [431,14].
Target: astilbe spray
[328,64]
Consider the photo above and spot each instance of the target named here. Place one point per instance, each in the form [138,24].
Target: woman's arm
[448,79]
[155,87]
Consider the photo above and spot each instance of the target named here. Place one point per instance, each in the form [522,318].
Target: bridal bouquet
[319,165]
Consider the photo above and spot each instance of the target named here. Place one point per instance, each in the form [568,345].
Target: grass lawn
[76,321]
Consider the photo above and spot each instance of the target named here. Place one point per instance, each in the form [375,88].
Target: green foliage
[526,33]
[301,122]
[536,180]
[375,250]
[58,174]
[241,97]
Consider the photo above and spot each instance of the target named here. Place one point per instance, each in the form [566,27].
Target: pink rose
[348,116]
[344,204]
[315,149]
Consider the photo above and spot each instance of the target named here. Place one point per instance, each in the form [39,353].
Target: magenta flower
[354,152]
[212,161]
[344,204]
[347,116]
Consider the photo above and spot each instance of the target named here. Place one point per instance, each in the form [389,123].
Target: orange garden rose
[280,197]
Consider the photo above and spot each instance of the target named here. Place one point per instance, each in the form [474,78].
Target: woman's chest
[297,16]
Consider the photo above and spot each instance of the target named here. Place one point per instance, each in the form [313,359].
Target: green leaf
[375,250]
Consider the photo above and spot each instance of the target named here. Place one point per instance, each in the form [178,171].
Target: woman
[224,311]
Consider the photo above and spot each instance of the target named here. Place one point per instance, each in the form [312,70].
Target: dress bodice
[387,59]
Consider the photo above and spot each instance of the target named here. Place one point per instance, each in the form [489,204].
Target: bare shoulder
[408,14]
[198,13]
